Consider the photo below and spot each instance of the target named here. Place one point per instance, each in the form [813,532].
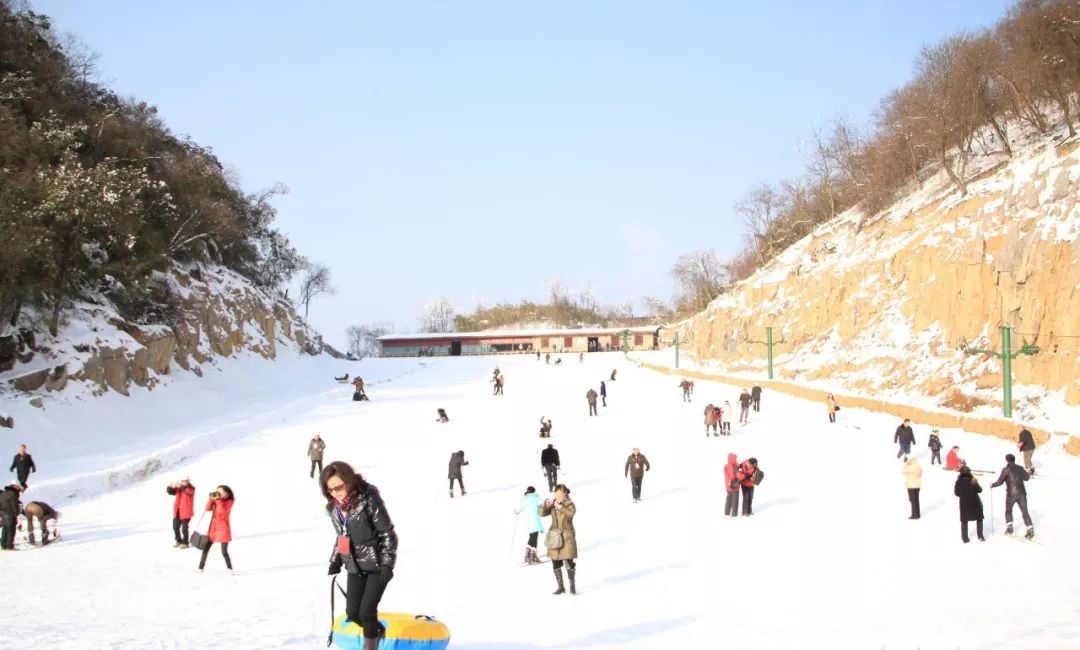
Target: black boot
[1030,534]
[558,579]
[571,572]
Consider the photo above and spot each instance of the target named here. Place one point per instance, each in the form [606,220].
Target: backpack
[759,476]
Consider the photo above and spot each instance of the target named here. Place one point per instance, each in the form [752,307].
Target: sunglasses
[336,487]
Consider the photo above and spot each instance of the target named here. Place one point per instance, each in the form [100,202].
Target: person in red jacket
[182,510]
[733,477]
[747,470]
[953,460]
[220,504]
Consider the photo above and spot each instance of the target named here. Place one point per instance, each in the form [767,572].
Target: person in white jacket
[529,505]
[913,480]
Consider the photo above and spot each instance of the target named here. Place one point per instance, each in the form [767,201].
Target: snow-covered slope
[885,306]
[829,558]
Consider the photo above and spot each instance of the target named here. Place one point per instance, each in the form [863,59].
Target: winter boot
[1008,529]
[371,644]
[571,572]
[535,557]
[528,555]
[558,580]
[451,494]
[1030,534]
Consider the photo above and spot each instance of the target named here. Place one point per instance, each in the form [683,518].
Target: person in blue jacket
[530,506]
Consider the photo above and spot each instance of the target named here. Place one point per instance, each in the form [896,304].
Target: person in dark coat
[745,400]
[591,398]
[934,444]
[315,451]
[457,460]
[441,416]
[9,514]
[603,394]
[613,374]
[1027,448]
[549,460]
[545,427]
[366,545]
[905,437]
[183,493]
[1013,476]
[22,464]
[967,491]
[636,466]
[755,396]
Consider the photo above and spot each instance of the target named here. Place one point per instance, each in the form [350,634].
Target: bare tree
[587,298]
[364,339]
[316,281]
[557,298]
[699,278]
[437,315]
[759,210]
[658,308]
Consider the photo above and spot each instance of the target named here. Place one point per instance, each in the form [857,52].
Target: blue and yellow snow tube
[403,632]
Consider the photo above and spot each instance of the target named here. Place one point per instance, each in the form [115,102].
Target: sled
[403,632]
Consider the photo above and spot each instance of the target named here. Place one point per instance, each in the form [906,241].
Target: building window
[614,341]
[544,342]
[639,339]
[568,342]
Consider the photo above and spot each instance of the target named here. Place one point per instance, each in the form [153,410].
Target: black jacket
[1013,476]
[550,456]
[636,466]
[904,435]
[9,502]
[1027,442]
[372,540]
[934,444]
[755,392]
[23,465]
[745,399]
[603,389]
[971,508]
[457,459]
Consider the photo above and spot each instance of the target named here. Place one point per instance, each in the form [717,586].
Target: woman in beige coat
[831,406]
[913,481]
[562,511]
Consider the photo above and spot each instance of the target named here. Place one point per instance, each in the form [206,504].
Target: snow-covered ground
[829,559]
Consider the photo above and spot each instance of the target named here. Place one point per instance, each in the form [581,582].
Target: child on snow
[953,460]
[934,444]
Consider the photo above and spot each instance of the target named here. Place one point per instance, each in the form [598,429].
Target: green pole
[1006,369]
[676,349]
[625,341]
[769,343]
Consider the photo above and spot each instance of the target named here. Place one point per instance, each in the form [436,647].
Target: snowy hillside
[829,558]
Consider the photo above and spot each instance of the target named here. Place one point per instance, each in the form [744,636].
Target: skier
[220,506]
[562,511]
[934,444]
[744,406]
[832,407]
[953,460]
[733,478]
[967,490]
[1026,444]
[549,460]
[457,460]
[712,416]
[9,514]
[906,437]
[603,394]
[591,397]
[749,470]
[42,512]
[636,466]
[183,509]
[530,505]
[685,386]
[315,453]
[913,480]
[755,395]
[545,427]
[441,415]
[22,464]
[1013,476]
[725,418]
[366,545]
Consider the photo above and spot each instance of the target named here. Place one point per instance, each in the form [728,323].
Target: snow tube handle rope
[424,617]
[333,583]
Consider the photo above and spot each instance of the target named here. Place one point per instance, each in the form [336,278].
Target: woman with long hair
[366,545]
[220,506]
[562,511]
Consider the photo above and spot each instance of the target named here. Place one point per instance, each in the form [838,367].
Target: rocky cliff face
[214,313]
[887,304]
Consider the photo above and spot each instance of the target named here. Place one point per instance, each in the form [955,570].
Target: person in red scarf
[220,506]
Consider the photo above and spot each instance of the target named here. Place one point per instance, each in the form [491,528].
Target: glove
[386,572]
[335,568]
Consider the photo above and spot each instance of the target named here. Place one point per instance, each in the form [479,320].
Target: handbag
[554,539]
[200,540]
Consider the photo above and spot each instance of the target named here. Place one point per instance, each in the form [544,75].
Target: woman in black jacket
[971,509]
[366,545]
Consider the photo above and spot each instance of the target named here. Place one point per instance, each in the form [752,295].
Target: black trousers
[460,483]
[935,454]
[964,533]
[7,538]
[1020,500]
[22,478]
[748,500]
[731,505]
[313,464]
[180,529]
[757,404]
[913,497]
[552,472]
[635,486]
[832,416]
[362,595]
[557,564]
[603,399]
[224,554]
[533,537]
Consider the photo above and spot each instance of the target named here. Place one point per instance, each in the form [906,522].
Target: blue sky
[474,149]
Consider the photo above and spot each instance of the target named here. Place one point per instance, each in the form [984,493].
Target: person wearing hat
[934,445]
[183,493]
[967,491]
[9,513]
[1013,476]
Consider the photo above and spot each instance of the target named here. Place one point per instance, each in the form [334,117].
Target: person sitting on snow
[442,416]
[953,460]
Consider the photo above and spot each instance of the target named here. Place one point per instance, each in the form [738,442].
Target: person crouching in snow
[457,460]
[953,460]
[913,480]
[530,506]
[442,417]
[733,478]
[42,512]
[183,509]
[220,506]
[967,491]
[934,445]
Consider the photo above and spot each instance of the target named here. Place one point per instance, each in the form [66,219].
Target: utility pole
[769,343]
[1006,355]
[676,343]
